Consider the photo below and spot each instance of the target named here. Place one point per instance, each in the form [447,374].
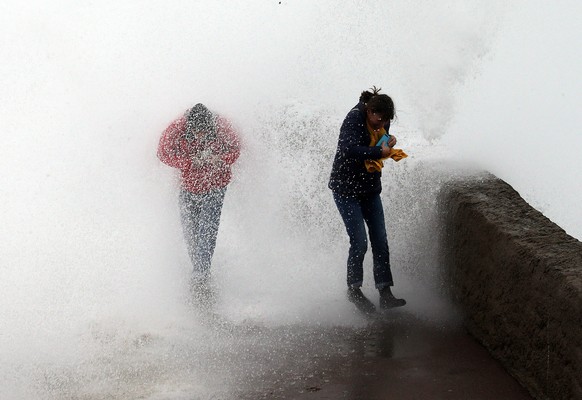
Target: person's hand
[197,162]
[215,160]
[207,159]
[202,158]
[392,141]
[385,149]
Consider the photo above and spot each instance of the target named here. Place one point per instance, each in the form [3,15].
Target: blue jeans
[200,214]
[354,212]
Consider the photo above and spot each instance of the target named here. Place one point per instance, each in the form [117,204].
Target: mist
[91,246]
[518,113]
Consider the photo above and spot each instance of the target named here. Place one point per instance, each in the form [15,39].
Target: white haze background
[91,253]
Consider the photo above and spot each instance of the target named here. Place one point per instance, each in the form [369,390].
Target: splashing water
[93,264]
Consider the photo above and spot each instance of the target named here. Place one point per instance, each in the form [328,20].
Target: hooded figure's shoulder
[355,116]
[223,122]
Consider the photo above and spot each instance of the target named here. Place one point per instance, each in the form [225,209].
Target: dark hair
[199,119]
[378,103]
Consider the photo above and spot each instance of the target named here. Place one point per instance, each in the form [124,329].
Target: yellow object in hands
[395,154]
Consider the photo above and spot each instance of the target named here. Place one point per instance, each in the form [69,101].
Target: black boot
[356,296]
[387,299]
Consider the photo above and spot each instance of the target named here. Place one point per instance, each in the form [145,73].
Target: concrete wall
[518,279]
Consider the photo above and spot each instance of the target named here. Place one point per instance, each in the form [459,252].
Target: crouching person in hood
[203,146]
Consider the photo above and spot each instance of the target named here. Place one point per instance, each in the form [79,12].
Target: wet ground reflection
[394,355]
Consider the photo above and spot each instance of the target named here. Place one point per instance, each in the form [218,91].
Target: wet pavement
[400,354]
[393,356]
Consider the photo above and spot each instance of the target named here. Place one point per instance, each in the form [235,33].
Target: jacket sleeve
[230,142]
[353,135]
[170,148]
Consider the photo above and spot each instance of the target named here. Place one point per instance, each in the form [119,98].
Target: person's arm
[170,150]
[350,138]
[227,146]
[232,142]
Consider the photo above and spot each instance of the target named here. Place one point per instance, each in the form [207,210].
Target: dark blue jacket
[349,176]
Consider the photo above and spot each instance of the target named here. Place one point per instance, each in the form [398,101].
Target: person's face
[375,119]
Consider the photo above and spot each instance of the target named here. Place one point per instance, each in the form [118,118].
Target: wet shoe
[387,299]
[356,296]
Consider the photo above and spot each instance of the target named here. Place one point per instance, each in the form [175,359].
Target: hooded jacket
[349,176]
[205,164]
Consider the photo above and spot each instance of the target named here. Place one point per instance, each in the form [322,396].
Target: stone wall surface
[518,279]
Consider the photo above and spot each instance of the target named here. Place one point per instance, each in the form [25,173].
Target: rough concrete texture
[518,278]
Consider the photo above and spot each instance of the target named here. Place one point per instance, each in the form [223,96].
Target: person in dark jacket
[203,146]
[356,193]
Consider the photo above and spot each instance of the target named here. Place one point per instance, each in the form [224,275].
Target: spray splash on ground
[93,264]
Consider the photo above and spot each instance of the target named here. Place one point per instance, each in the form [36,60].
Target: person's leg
[190,210]
[351,213]
[374,216]
[210,211]
[200,219]
[373,213]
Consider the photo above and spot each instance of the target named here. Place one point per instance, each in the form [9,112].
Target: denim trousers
[200,214]
[355,211]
